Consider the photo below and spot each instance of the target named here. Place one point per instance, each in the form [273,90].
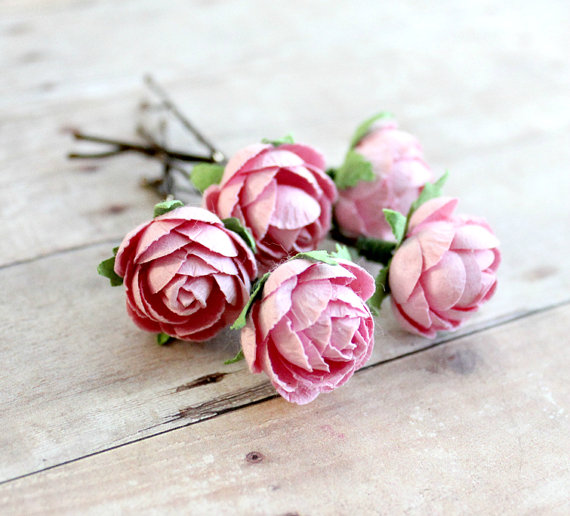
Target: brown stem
[147,150]
[216,155]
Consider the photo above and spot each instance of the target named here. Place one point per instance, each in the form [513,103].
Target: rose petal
[435,240]
[294,208]
[434,210]
[211,237]
[275,306]
[443,284]
[405,269]
[259,213]
[474,237]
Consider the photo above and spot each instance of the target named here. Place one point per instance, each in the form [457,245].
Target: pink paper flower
[400,171]
[281,194]
[185,274]
[444,270]
[311,329]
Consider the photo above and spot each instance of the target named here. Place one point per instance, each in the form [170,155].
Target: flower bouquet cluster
[249,257]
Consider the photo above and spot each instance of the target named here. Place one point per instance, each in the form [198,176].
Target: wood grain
[484,86]
[478,425]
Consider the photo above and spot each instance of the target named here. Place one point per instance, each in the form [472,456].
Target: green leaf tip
[429,191]
[165,206]
[397,222]
[163,339]
[342,252]
[107,269]
[319,255]
[233,224]
[288,138]
[363,129]
[240,356]
[355,168]
[204,175]
[382,290]
[256,291]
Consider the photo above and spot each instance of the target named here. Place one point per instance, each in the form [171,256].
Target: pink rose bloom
[311,329]
[185,274]
[282,194]
[444,270]
[398,164]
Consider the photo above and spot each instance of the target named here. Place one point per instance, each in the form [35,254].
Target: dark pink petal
[289,344]
[255,184]
[163,270]
[271,159]
[194,267]
[417,308]
[155,233]
[409,324]
[294,208]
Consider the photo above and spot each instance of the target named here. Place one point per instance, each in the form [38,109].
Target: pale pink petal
[405,269]
[417,308]
[434,210]
[444,284]
[409,324]
[474,237]
[285,237]
[289,344]
[228,199]
[194,266]
[294,208]
[249,345]
[211,237]
[275,306]
[321,271]
[240,158]
[435,240]
[124,254]
[163,270]
[363,284]
[319,333]
[227,285]
[484,258]
[255,184]
[284,272]
[472,280]
[307,154]
[308,301]
[154,232]
[200,288]
[189,213]
[272,158]
[259,213]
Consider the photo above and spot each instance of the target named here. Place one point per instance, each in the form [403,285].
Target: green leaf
[288,138]
[342,252]
[107,269]
[317,256]
[256,291]
[365,126]
[165,206]
[379,251]
[397,222]
[233,224]
[354,169]
[163,338]
[382,290]
[430,191]
[206,174]
[237,358]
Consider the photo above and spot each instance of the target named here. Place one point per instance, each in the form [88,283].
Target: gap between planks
[265,391]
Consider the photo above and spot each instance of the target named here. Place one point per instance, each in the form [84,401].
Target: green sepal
[319,255]
[237,358]
[165,206]
[430,191]
[382,290]
[287,139]
[107,269]
[163,338]
[206,174]
[256,291]
[342,252]
[397,222]
[365,126]
[355,168]
[233,224]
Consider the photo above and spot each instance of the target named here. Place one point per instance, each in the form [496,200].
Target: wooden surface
[97,419]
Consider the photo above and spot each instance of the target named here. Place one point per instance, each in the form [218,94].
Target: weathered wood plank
[458,106]
[478,425]
[78,377]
